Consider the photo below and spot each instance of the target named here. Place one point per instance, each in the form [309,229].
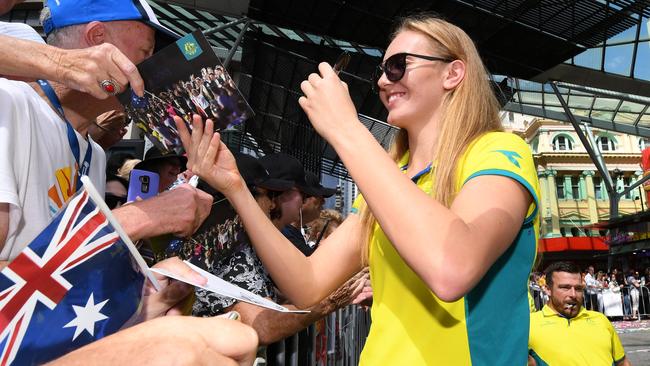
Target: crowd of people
[447,222]
[616,294]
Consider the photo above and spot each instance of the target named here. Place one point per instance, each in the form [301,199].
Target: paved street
[635,337]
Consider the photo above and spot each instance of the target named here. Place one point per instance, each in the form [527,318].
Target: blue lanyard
[72,136]
[421,173]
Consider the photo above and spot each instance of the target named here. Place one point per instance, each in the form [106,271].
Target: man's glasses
[395,66]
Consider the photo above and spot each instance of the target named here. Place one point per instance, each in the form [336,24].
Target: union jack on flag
[75,283]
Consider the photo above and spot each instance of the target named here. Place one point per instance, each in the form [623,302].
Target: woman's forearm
[289,268]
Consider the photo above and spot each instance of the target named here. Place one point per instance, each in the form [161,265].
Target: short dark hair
[568,267]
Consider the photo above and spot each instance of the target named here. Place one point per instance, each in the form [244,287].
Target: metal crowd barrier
[626,300]
[644,301]
[538,297]
[336,340]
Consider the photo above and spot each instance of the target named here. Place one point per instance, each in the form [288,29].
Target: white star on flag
[87,316]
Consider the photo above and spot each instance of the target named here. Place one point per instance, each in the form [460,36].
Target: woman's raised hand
[207,156]
[327,102]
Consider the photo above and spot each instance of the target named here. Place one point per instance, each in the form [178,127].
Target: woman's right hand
[207,156]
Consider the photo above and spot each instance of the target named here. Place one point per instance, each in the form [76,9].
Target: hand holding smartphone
[143,184]
[342,62]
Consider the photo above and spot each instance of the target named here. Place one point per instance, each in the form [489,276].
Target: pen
[341,62]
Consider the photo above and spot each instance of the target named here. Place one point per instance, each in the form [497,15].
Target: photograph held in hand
[183,79]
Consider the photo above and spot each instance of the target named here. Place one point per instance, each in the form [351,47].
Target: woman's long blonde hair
[472,105]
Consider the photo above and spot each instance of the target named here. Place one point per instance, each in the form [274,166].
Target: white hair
[66,37]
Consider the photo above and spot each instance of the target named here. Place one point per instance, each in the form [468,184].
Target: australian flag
[75,283]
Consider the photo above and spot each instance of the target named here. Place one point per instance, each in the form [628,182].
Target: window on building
[575,188]
[559,183]
[562,143]
[575,231]
[643,143]
[626,185]
[563,231]
[599,188]
[606,143]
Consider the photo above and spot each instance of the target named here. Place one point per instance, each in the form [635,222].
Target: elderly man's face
[135,39]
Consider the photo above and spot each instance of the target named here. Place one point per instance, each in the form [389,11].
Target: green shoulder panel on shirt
[504,154]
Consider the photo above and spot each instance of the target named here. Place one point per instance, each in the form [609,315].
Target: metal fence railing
[336,340]
[612,304]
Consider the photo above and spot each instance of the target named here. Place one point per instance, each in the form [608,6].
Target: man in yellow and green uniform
[489,325]
[564,333]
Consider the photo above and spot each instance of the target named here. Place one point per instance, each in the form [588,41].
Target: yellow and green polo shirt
[587,339]
[489,325]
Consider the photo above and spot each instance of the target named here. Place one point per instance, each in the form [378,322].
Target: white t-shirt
[20,30]
[37,167]
[591,283]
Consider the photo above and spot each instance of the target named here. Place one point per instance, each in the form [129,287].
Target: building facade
[573,194]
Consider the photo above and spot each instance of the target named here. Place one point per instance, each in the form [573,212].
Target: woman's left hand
[327,102]
[207,156]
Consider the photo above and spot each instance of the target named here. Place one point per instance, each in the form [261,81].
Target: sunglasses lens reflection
[394,68]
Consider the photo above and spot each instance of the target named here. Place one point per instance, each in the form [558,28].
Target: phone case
[143,184]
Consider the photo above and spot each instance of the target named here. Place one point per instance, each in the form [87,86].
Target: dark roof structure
[598,52]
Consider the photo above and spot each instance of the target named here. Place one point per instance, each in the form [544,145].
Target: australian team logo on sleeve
[512,156]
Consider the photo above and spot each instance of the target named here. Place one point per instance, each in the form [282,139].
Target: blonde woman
[124,171]
[449,261]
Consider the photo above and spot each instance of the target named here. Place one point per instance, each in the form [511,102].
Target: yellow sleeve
[504,154]
[356,205]
[531,302]
[617,348]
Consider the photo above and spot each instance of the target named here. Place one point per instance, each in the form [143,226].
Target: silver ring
[109,86]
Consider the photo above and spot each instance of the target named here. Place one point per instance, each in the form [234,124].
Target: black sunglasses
[112,200]
[395,66]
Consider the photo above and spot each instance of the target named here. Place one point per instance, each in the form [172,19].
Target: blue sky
[618,53]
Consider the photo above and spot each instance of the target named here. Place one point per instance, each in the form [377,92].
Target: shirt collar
[547,311]
[403,165]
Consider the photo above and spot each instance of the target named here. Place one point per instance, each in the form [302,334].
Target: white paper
[221,287]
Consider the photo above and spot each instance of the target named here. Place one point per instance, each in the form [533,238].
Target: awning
[573,244]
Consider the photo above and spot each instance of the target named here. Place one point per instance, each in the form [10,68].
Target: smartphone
[342,62]
[143,184]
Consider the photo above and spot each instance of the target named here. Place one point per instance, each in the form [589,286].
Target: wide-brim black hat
[254,174]
[153,156]
[314,188]
[285,169]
